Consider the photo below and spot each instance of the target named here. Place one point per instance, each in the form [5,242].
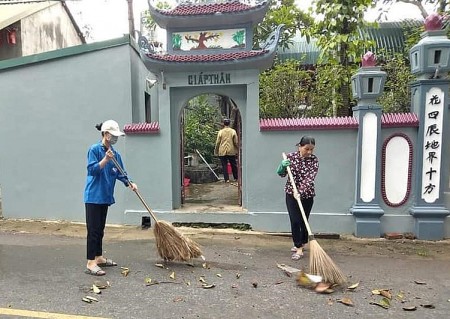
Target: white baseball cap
[112,127]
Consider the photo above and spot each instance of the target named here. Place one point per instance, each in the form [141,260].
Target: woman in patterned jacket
[304,167]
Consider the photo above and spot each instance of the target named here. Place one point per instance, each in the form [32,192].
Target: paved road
[43,274]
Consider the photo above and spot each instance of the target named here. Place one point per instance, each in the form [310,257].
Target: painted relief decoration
[434,110]
[204,40]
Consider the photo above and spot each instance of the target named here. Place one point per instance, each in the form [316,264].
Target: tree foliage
[281,12]
[337,35]
[200,130]
[284,90]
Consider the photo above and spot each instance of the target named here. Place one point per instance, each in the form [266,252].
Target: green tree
[337,34]
[396,96]
[281,12]
[200,130]
[440,6]
[284,91]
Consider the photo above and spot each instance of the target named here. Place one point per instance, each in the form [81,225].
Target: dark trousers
[298,228]
[224,160]
[95,224]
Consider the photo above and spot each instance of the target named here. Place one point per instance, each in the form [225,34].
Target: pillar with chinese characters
[367,86]
[430,63]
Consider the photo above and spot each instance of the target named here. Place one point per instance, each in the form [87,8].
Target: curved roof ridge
[189,9]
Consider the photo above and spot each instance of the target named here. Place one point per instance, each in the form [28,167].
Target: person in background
[227,148]
[99,193]
[304,167]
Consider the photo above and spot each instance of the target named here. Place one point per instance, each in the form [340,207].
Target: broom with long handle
[319,262]
[170,243]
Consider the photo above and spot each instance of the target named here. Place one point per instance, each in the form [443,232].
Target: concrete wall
[48,113]
[50,104]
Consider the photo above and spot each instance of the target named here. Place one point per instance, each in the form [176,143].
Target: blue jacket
[100,183]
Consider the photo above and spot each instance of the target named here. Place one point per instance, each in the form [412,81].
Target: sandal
[96,271]
[296,256]
[107,263]
[294,249]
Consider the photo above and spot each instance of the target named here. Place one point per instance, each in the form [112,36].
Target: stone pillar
[367,86]
[430,60]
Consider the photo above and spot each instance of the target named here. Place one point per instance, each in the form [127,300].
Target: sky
[108,19]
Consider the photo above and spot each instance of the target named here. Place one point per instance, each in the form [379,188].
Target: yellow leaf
[384,303]
[354,286]
[96,290]
[206,286]
[322,287]
[202,279]
[219,275]
[304,280]
[159,265]
[238,275]
[91,298]
[410,308]
[148,280]
[346,301]
[172,275]
[386,293]
[376,292]
[125,272]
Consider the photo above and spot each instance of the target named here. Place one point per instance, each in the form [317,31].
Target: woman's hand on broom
[132,186]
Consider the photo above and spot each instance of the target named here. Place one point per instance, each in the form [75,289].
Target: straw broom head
[172,245]
[321,264]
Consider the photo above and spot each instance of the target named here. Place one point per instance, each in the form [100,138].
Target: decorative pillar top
[369,59]
[430,57]
[433,22]
[368,82]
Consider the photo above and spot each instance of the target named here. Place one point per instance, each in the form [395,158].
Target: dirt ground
[345,245]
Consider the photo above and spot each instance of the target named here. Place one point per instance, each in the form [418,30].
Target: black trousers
[224,160]
[95,224]
[298,228]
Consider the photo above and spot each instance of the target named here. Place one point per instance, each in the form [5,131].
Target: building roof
[206,15]
[13,12]
[388,36]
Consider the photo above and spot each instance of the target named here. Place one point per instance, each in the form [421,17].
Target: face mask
[112,139]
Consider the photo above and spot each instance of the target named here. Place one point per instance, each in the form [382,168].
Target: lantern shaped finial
[369,59]
[433,22]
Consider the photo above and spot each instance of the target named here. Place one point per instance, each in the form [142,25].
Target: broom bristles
[173,245]
[321,264]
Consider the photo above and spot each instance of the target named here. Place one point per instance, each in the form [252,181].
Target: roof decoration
[207,14]
[209,8]
[235,60]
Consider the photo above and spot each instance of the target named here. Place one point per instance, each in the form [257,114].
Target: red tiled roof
[319,123]
[316,123]
[399,120]
[141,128]
[206,57]
[209,8]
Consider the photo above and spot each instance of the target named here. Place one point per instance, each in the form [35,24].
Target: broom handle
[134,190]
[297,197]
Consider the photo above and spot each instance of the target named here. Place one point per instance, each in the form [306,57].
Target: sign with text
[432,144]
[209,78]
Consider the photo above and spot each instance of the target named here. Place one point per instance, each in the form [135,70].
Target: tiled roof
[141,128]
[399,120]
[319,123]
[316,123]
[205,9]
[206,57]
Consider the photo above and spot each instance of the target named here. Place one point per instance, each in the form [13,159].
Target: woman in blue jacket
[99,193]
